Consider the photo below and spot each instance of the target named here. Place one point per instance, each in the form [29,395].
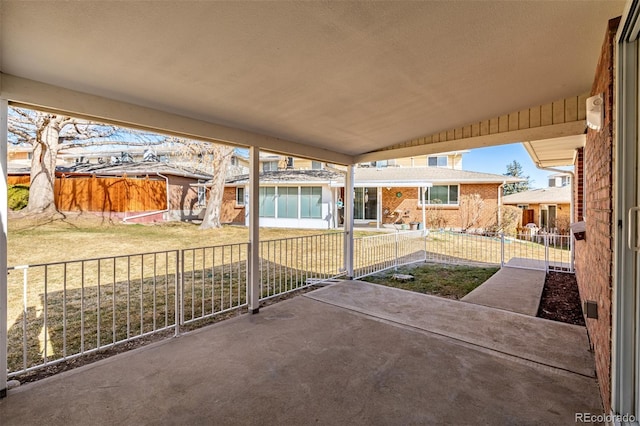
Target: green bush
[18,196]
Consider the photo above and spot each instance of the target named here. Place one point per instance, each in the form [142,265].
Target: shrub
[18,196]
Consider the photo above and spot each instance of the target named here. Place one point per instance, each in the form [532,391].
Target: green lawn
[452,282]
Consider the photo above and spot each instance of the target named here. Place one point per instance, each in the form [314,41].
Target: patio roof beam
[516,136]
[32,94]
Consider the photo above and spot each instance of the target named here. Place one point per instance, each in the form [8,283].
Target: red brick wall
[594,256]
[409,202]
[578,187]
[230,213]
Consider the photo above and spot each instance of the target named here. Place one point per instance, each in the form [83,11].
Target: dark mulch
[560,299]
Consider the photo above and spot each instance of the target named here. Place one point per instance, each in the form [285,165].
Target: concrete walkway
[512,289]
[352,353]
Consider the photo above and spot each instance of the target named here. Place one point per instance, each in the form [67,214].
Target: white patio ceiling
[327,80]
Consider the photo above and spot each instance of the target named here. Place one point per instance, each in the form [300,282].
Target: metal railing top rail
[302,237]
[90,259]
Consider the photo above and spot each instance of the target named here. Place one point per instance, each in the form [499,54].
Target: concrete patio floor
[350,353]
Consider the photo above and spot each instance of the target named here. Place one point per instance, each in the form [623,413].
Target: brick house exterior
[391,195]
[594,203]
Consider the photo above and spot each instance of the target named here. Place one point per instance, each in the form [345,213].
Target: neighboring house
[384,196]
[137,192]
[547,208]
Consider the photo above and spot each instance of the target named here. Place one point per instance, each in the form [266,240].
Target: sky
[495,159]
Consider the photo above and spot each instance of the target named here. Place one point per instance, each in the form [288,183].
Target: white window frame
[240,202]
[438,158]
[422,190]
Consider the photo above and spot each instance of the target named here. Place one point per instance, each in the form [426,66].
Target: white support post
[348,221]
[4,209]
[379,207]
[253,290]
[424,209]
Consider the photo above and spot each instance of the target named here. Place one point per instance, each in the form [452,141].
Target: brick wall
[230,213]
[409,202]
[594,256]
[578,187]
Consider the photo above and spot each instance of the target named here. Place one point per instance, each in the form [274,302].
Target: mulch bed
[560,299]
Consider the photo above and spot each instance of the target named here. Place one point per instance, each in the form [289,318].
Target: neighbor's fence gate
[65,310]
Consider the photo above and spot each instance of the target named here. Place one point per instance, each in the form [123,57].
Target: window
[442,194]
[438,161]
[288,202]
[239,196]
[202,194]
[289,162]
[316,165]
[267,200]
[269,166]
[311,202]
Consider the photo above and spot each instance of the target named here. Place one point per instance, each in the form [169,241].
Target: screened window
[438,161]
[202,194]
[267,199]
[316,165]
[288,202]
[269,166]
[442,194]
[311,202]
[239,196]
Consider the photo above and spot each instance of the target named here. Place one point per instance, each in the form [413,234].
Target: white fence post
[178,295]
[502,249]
[546,252]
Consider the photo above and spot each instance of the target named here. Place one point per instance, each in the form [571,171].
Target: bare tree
[471,207]
[46,133]
[220,162]
[210,158]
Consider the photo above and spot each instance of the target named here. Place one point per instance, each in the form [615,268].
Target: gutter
[166,179]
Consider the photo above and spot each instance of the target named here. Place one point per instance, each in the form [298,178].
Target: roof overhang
[555,152]
[324,80]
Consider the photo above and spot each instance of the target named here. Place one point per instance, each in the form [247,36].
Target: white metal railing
[213,280]
[381,252]
[537,251]
[63,310]
[289,264]
[58,311]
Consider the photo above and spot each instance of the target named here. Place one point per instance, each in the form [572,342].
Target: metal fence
[289,264]
[58,311]
[538,251]
[381,252]
[63,310]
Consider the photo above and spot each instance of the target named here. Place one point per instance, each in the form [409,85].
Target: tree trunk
[221,161]
[43,167]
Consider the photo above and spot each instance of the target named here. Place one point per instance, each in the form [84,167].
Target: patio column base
[254,311]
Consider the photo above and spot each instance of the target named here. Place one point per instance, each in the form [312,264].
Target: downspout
[166,179]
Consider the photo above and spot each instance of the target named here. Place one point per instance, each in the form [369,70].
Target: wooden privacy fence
[110,194]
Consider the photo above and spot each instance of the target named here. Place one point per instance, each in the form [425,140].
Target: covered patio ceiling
[325,80]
